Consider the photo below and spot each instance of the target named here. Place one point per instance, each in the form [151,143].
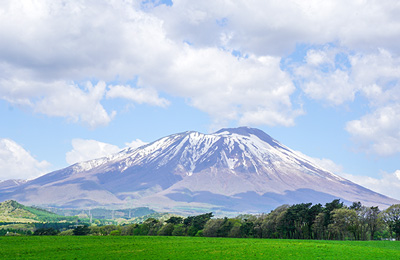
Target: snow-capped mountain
[240,170]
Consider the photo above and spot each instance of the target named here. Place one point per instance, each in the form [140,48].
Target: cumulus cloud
[76,104]
[84,150]
[323,79]
[274,28]
[17,163]
[378,132]
[378,75]
[138,95]
[50,49]
[252,90]
[388,184]
[59,45]
[59,98]
[127,42]
[336,76]
[324,163]
[136,143]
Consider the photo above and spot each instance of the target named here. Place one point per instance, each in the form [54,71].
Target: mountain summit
[235,169]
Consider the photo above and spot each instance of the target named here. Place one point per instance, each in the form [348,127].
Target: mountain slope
[241,170]
[10,185]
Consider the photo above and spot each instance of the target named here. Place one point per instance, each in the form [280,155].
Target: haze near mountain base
[233,170]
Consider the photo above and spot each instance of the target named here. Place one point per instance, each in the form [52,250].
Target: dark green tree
[298,220]
[391,216]
[271,222]
[217,227]
[179,230]
[373,220]
[343,223]
[174,220]
[196,223]
[46,232]
[166,230]
[247,228]
[313,212]
[82,230]
[329,207]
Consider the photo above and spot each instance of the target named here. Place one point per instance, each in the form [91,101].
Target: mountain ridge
[234,169]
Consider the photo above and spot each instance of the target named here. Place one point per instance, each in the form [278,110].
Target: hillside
[12,211]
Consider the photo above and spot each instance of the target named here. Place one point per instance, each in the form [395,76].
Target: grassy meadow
[147,247]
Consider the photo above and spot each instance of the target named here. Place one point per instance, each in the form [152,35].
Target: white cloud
[322,78]
[59,98]
[84,150]
[137,95]
[136,143]
[77,104]
[252,90]
[328,164]
[332,87]
[277,26]
[49,46]
[378,75]
[388,184]
[17,163]
[318,57]
[335,76]
[323,163]
[378,132]
[53,46]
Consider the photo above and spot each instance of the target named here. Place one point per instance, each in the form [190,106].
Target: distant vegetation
[100,213]
[17,219]
[334,221]
[12,211]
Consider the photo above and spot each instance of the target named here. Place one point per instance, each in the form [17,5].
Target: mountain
[233,170]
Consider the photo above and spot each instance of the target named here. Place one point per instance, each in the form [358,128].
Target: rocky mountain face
[233,170]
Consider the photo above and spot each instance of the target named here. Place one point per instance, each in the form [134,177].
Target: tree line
[333,221]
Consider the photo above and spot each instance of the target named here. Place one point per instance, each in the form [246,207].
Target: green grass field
[129,247]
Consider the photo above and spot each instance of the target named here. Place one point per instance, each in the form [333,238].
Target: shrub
[179,230]
[115,233]
[68,232]
[166,230]
[81,230]
[45,232]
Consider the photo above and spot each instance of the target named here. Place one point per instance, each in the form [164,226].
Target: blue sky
[79,80]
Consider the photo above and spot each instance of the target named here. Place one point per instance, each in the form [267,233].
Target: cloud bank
[224,58]
[84,150]
[18,163]
[387,183]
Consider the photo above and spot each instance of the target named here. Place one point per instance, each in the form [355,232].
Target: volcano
[233,170]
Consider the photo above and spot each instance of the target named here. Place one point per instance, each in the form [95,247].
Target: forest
[333,221]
